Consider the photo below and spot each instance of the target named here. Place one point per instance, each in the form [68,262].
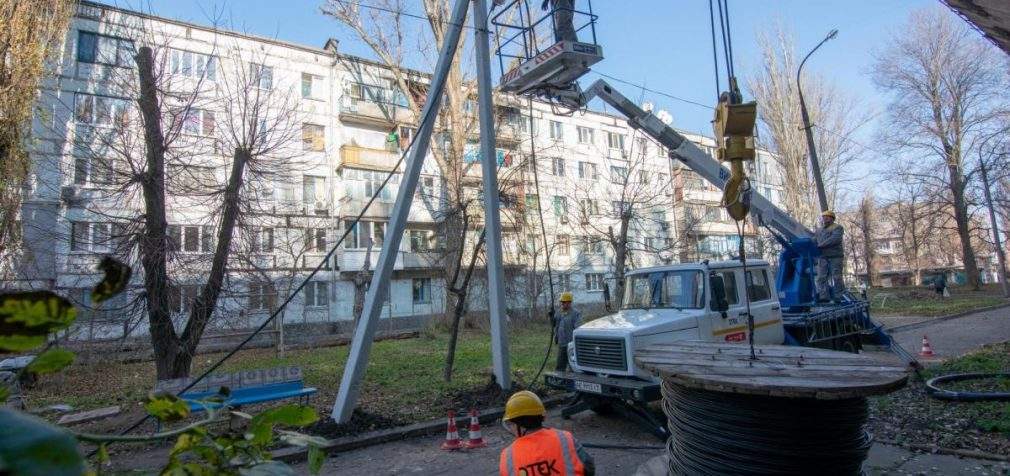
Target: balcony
[374,113]
[353,260]
[367,158]
[702,195]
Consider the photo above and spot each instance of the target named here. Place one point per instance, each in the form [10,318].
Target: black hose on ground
[623,447]
[933,390]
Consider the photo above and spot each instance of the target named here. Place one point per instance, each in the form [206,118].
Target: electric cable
[428,116]
[729,433]
[933,389]
[715,51]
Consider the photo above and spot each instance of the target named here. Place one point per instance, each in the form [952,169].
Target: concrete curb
[347,443]
[917,325]
[946,451]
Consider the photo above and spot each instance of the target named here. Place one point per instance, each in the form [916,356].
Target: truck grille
[601,353]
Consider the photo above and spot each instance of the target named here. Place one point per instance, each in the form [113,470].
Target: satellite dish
[647,106]
[664,117]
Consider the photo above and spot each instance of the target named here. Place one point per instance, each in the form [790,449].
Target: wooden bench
[246,387]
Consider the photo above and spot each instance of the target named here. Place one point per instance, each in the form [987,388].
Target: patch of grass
[403,380]
[923,301]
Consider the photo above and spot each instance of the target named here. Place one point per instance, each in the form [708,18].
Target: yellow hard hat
[828,213]
[524,403]
[566,297]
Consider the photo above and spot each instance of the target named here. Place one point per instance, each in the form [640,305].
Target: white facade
[331,118]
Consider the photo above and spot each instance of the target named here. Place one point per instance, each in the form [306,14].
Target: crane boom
[693,157]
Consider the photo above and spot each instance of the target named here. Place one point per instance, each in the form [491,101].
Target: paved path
[954,337]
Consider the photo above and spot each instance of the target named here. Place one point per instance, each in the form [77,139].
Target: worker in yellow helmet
[829,267]
[538,449]
[564,326]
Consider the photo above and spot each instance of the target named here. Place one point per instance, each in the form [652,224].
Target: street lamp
[814,165]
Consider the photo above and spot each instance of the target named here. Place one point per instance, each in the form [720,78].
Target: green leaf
[117,276]
[316,459]
[166,407]
[103,454]
[51,361]
[4,393]
[262,425]
[30,445]
[267,468]
[27,317]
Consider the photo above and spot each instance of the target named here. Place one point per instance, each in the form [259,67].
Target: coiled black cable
[734,434]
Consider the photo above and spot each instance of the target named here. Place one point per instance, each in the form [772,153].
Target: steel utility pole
[1000,256]
[815,166]
[361,345]
[492,218]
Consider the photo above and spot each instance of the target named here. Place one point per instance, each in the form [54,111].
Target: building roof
[990,17]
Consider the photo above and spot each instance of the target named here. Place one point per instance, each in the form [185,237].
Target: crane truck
[706,301]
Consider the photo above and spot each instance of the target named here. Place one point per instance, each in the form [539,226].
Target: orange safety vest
[545,452]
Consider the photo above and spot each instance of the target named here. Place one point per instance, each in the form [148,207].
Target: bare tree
[31,32]
[865,224]
[834,115]
[911,218]
[947,87]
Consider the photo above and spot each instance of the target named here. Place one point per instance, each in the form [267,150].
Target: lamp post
[815,166]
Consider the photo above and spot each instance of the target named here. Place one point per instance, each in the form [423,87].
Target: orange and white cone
[927,350]
[474,438]
[451,442]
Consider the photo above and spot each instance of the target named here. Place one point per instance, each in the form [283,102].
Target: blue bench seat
[250,395]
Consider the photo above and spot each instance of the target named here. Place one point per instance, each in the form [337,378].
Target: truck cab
[690,301]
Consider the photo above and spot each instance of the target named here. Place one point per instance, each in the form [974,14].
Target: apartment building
[327,129]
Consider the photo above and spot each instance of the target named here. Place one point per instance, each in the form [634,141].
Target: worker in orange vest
[538,449]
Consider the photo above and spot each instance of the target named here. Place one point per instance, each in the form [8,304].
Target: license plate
[588,387]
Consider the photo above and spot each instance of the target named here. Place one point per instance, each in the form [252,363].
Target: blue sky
[663,44]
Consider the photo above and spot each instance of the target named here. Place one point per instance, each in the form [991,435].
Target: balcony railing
[364,157]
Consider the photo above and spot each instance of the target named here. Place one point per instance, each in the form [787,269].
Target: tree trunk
[461,293]
[997,244]
[621,253]
[957,186]
[153,244]
[206,302]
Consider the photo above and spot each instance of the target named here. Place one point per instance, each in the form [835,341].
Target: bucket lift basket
[536,59]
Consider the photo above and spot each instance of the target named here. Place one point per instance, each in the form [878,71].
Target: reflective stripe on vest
[538,453]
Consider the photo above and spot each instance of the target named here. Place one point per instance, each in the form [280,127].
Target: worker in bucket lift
[564,326]
[539,450]
[829,267]
[564,19]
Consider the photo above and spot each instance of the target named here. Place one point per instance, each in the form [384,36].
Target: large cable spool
[789,411]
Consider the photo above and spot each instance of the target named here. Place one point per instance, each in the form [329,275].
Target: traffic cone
[474,437]
[927,350]
[451,442]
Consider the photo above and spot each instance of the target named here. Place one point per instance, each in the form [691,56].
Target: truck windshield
[681,289]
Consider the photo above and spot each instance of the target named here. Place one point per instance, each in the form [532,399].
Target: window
[94,237]
[669,289]
[376,93]
[313,137]
[563,245]
[190,238]
[664,179]
[532,201]
[588,170]
[618,175]
[373,184]
[406,135]
[427,186]
[561,207]
[643,176]
[729,284]
[617,208]
[261,239]
[102,49]
[591,245]
[262,76]
[198,122]
[422,241]
[421,290]
[181,297]
[585,135]
[594,281]
[192,178]
[315,240]
[530,245]
[558,166]
[314,190]
[615,140]
[557,132]
[311,86]
[364,234]
[193,65]
[643,145]
[262,297]
[589,207]
[101,110]
[316,294]
[713,214]
[564,282]
[757,285]
[93,171]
